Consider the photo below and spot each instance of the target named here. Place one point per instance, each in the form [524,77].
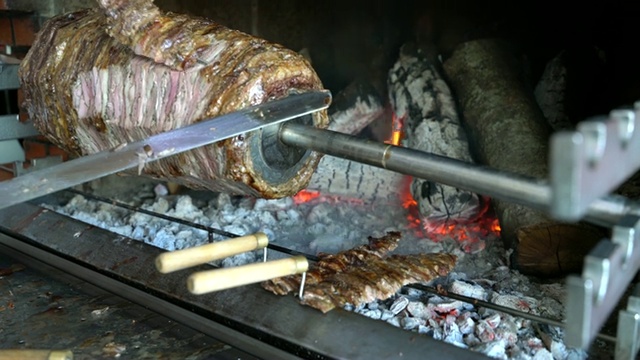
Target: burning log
[88,91]
[511,134]
[363,274]
[422,102]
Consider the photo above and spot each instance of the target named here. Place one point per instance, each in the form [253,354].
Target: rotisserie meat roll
[99,78]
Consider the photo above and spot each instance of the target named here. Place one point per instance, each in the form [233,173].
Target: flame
[396,138]
[406,198]
[397,131]
[495,226]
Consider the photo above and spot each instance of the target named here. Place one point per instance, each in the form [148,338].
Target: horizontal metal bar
[156,147]
[608,211]
[515,188]
[468,176]
[9,76]
[12,128]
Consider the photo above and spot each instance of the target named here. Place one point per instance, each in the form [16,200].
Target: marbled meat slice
[358,277]
[355,287]
[330,264]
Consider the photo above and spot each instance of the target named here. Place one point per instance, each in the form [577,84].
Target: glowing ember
[305,196]
[469,234]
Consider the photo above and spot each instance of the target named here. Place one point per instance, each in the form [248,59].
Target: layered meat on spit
[96,79]
[363,274]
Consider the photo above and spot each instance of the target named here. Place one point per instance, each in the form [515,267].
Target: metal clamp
[12,128]
[608,270]
[629,328]
[592,161]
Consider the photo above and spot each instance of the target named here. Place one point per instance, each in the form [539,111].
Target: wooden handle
[182,259]
[36,354]
[213,280]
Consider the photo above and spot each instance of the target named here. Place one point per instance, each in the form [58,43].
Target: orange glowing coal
[469,234]
[495,226]
[305,196]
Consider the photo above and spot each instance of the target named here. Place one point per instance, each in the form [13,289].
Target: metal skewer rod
[510,187]
[156,147]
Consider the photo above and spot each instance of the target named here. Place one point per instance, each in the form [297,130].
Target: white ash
[329,224]
[493,333]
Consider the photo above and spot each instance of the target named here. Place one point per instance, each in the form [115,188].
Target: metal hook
[302,282]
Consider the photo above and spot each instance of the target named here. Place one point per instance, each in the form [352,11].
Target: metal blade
[156,147]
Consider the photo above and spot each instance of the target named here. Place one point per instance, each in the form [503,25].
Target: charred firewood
[89,92]
[422,100]
[511,134]
[354,109]
[550,93]
[569,89]
[363,274]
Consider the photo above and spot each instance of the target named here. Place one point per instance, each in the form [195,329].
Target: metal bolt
[625,120]
[595,140]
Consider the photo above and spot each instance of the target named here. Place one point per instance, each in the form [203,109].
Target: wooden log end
[553,249]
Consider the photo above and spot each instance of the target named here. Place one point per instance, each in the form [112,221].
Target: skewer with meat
[98,78]
[363,274]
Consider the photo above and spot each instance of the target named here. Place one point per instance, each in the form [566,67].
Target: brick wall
[17,29]
[47,8]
